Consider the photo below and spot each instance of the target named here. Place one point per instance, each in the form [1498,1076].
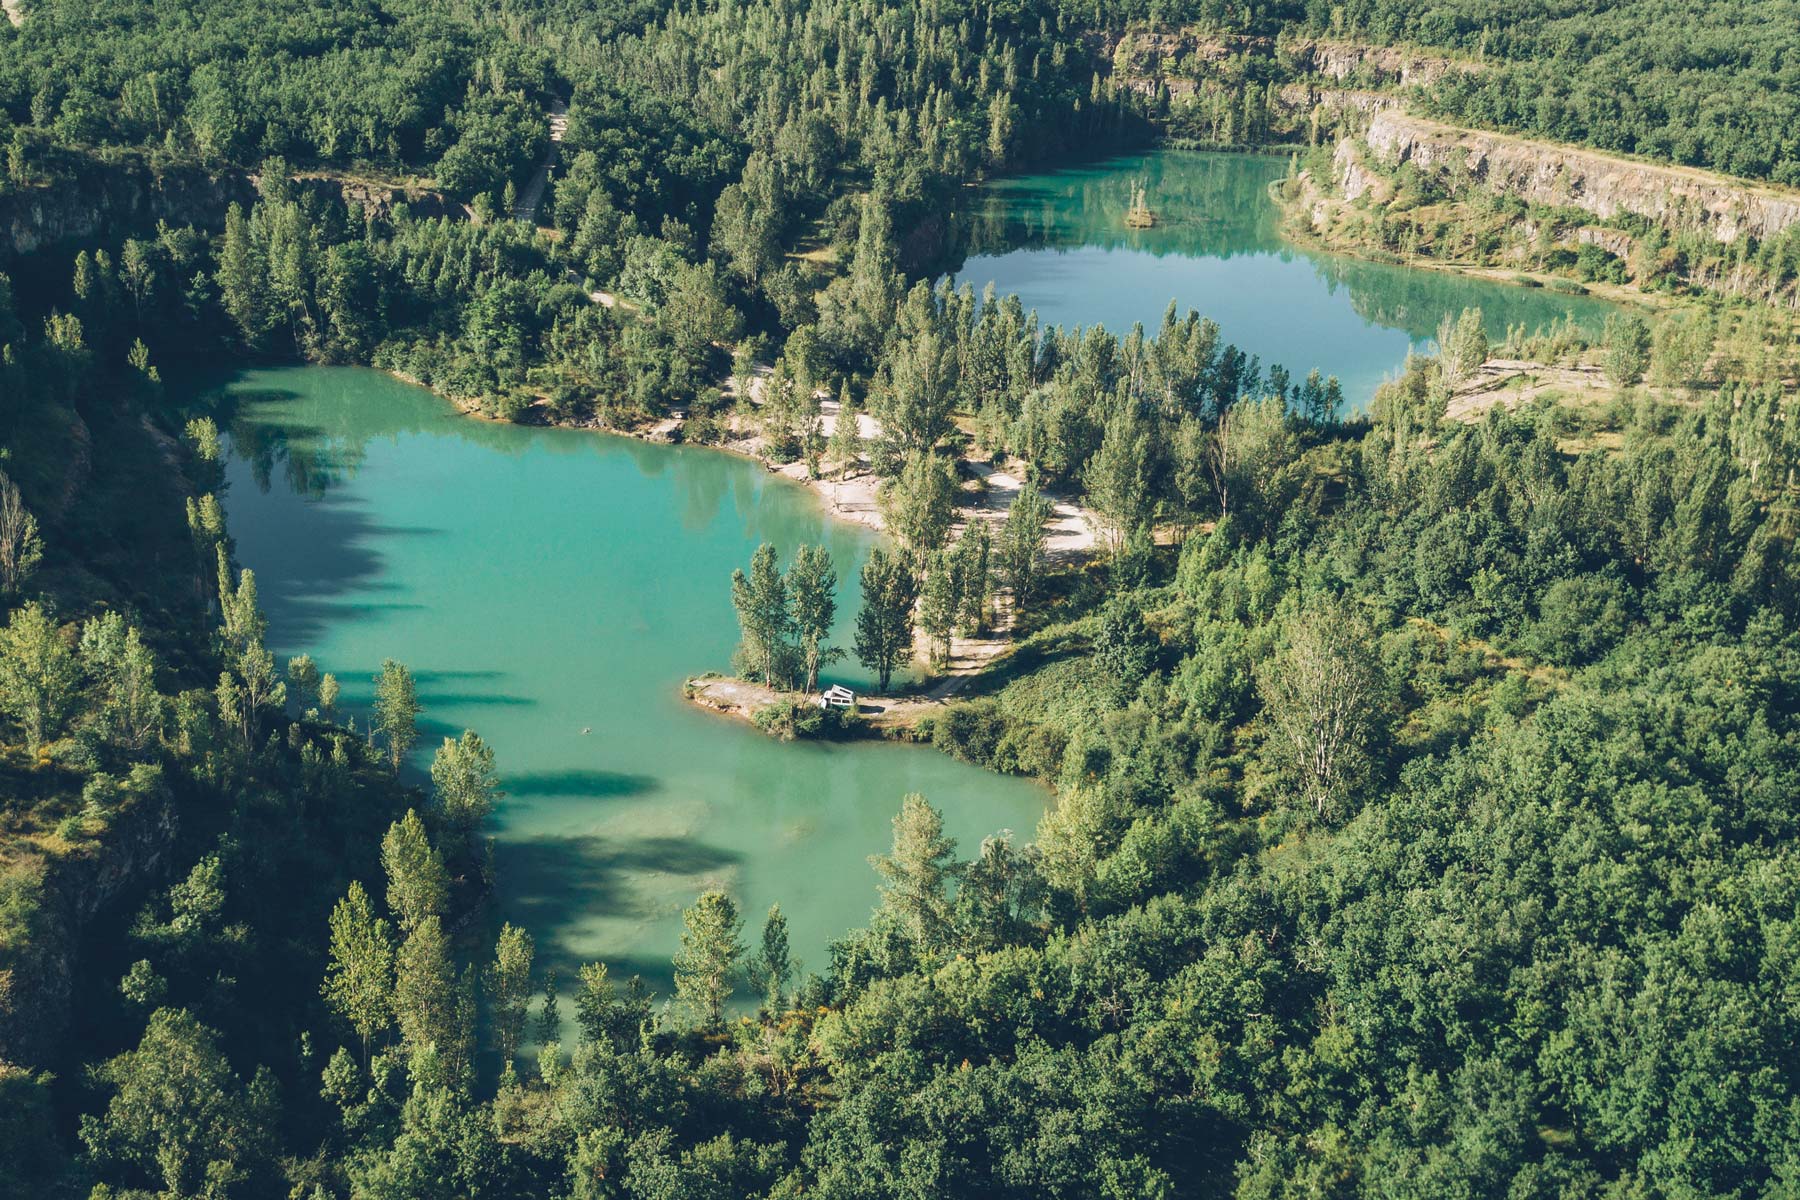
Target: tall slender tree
[418,886]
[359,979]
[709,957]
[812,596]
[884,627]
[916,874]
[761,601]
[508,982]
[397,710]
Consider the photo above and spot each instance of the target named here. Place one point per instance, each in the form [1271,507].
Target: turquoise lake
[552,589]
[541,583]
[1059,240]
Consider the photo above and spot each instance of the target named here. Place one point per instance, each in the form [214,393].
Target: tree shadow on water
[554,884]
[579,782]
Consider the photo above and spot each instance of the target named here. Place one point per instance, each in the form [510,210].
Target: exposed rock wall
[1602,184]
[1142,60]
[34,1009]
[94,200]
[1343,61]
[100,197]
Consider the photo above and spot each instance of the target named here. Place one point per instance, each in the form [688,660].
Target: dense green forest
[1424,788]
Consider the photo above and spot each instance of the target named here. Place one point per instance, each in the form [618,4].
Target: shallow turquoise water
[544,582]
[1059,240]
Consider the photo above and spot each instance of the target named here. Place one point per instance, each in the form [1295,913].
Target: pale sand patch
[15,11]
[1512,382]
[1070,537]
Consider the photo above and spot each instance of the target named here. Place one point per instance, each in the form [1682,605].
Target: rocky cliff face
[1345,61]
[34,1007]
[97,200]
[1602,184]
[1334,70]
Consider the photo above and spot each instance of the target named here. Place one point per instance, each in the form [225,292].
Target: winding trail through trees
[532,196]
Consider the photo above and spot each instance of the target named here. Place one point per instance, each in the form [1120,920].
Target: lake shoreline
[1296,229]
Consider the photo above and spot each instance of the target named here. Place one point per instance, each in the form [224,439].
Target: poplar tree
[845,448]
[38,675]
[463,779]
[970,569]
[919,503]
[359,979]
[884,628]
[773,966]
[303,681]
[1021,550]
[21,548]
[418,886]
[604,1015]
[938,606]
[508,981]
[114,654]
[761,601]
[916,874]
[709,956]
[812,595]
[397,710]
[1118,476]
[426,1003]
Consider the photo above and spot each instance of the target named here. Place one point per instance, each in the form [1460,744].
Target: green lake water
[543,582]
[1059,240]
[552,588]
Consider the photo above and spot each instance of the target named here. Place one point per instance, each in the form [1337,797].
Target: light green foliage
[38,675]
[708,962]
[1323,695]
[605,1016]
[1462,347]
[426,1001]
[203,437]
[508,983]
[920,502]
[772,967]
[812,596]
[939,604]
[845,447]
[21,546]
[114,654]
[303,681]
[884,627]
[1119,476]
[464,784]
[1628,350]
[418,886]
[1021,547]
[915,407]
[972,581]
[397,710]
[359,980]
[761,600]
[916,875]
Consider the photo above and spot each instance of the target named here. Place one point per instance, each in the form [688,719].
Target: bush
[1579,619]
[786,720]
[971,731]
